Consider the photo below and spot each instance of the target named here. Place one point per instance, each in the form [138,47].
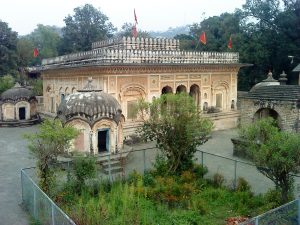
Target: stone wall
[287,111]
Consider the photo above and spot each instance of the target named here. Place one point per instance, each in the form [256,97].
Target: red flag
[202,38]
[135,17]
[134,31]
[230,43]
[35,52]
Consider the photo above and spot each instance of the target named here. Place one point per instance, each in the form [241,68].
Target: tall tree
[51,140]
[47,39]
[8,45]
[175,123]
[87,25]
[275,153]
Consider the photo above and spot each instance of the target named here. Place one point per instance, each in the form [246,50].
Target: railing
[119,56]
[39,205]
[288,214]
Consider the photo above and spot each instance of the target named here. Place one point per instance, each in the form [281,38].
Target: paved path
[13,156]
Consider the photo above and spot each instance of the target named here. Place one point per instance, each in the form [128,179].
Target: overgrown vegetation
[52,139]
[177,126]
[186,198]
[275,153]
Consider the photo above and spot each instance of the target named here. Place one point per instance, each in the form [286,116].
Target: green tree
[8,45]
[174,122]
[47,39]
[126,31]
[275,153]
[24,51]
[6,82]
[51,140]
[86,26]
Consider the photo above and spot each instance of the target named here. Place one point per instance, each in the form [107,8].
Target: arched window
[166,90]
[195,94]
[180,89]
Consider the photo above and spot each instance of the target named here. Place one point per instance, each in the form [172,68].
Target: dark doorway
[22,113]
[103,140]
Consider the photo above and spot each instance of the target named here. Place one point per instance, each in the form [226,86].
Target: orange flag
[202,38]
[35,52]
[230,43]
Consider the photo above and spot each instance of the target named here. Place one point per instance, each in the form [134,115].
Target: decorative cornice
[145,69]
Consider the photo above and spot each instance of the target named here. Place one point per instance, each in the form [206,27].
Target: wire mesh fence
[120,165]
[39,205]
[288,214]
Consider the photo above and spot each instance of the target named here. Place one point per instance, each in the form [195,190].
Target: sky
[155,15]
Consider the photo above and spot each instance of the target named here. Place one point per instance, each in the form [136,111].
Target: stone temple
[272,98]
[18,107]
[132,68]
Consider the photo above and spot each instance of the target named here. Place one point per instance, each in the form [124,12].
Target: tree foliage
[126,30]
[8,46]
[51,140]
[6,82]
[86,26]
[275,153]
[175,123]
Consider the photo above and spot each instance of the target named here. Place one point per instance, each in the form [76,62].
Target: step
[113,169]
[111,163]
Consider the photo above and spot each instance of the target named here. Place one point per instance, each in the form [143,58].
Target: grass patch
[154,199]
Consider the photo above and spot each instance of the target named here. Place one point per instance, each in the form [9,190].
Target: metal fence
[39,205]
[288,214]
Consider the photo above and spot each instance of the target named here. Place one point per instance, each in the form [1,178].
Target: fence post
[235,165]
[52,214]
[298,210]
[256,220]
[22,186]
[144,157]
[109,168]
[34,202]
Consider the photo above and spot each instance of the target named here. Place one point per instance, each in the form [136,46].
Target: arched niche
[266,112]
[166,90]
[180,89]
[195,94]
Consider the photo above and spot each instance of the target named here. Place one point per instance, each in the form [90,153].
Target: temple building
[132,68]
[275,99]
[18,107]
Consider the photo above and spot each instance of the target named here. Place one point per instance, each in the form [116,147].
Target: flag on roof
[134,31]
[230,43]
[202,38]
[35,52]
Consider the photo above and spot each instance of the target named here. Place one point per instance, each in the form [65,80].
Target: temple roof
[17,93]
[90,105]
[138,51]
[297,68]
[276,92]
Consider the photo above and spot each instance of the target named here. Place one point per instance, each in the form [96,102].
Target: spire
[283,78]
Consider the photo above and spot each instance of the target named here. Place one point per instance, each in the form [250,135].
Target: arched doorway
[180,89]
[195,94]
[166,90]
[265,112]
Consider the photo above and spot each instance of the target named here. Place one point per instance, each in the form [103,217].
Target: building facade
[134,68]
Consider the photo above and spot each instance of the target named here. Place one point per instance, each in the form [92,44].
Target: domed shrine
[18,107]
[98,117]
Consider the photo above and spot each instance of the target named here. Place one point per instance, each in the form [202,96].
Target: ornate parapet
[105,56]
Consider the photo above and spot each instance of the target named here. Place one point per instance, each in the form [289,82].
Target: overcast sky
[23,15]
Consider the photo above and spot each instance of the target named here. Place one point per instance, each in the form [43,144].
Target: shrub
[84,168]
[218,180]
[200,170]
[134,177]
[160,165]
[148,179]
[243,185]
